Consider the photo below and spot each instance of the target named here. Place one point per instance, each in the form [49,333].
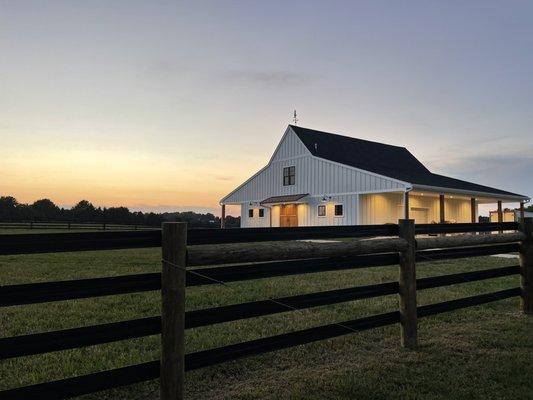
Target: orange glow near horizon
[108,179]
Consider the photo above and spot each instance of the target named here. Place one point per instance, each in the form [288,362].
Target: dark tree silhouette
[45,210]
[8,208]
[84,211]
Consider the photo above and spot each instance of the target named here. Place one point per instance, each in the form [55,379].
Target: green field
[484,352]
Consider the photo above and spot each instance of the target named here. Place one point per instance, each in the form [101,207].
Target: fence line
[104,333]
[11,295]
[325,257]
[70,225]
[85,241]
[70,387]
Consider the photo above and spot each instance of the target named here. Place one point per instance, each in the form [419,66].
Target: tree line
[85,212]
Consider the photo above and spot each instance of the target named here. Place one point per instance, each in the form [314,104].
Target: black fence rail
[39,343]
[66,225]
[86,241]
[465,227]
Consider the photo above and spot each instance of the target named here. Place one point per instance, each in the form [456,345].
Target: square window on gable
[289,176]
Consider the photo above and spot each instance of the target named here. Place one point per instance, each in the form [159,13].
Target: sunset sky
[168,105]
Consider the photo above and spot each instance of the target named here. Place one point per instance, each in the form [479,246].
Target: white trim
[290,158]
[398,190]
[394,190]
[358,205]
[470,193]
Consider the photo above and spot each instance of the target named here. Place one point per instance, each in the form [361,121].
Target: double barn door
[288,216]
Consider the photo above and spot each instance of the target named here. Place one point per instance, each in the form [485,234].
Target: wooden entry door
[288,216]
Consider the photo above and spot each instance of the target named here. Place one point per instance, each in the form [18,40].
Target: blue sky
[171,104]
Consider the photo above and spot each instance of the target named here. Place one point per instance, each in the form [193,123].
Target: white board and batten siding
[307,213]
[316,176]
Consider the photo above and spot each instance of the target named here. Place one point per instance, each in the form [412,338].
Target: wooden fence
[66,225]
[182,249]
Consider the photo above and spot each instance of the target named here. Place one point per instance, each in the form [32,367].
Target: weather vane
[295,118]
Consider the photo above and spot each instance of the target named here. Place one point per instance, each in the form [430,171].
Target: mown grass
[480,352]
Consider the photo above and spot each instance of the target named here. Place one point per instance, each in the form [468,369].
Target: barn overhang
[486,197]
[290,198]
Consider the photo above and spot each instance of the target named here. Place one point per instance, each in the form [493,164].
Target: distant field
[18,231]
[57,227]
[484,352]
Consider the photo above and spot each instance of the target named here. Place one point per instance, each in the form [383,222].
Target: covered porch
[427,207]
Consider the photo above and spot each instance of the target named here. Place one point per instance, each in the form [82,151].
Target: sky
[169,105]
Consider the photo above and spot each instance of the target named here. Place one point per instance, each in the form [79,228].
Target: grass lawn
[483,352]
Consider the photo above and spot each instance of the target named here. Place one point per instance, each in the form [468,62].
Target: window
[261,212]
[338,210]
[322,210]
[289,176]
[251,213]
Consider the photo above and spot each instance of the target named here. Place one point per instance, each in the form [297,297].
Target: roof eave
[500,196]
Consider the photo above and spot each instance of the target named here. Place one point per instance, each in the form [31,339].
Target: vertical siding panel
[318,177]
[313,176]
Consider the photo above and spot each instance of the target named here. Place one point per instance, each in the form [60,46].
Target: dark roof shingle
[383,159]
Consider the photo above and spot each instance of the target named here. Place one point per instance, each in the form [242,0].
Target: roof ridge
[348,137]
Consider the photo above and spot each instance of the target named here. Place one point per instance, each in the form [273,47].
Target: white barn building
[316,178]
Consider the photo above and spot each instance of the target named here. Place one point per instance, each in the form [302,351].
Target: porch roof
[291,198]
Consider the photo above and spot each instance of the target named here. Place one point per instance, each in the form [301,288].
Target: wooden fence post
[407,285]
[174,249]
[526,266]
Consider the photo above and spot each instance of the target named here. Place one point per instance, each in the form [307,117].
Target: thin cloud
[510,171]
[268,78]
[223,178]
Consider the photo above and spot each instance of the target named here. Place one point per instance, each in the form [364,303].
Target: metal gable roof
[391,161]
